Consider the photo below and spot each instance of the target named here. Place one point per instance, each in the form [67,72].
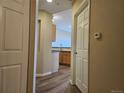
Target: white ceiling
[55,6]
[63,20]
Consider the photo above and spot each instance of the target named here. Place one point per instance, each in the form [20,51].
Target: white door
[82,50]
[14,34]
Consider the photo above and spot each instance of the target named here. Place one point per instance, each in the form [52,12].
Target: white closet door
[14,36]
[82,50]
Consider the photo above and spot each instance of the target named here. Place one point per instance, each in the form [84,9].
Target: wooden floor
[56,83]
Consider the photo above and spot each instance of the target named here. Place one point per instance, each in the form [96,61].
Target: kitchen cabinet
[53,32]
[65,58]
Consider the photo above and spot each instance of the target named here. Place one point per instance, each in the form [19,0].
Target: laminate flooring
[56,82]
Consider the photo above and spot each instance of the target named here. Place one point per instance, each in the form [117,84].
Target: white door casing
[82,50]
[14,36]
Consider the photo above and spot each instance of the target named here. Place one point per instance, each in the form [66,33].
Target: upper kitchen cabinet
[53,32]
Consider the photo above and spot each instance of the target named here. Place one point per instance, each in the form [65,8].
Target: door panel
[82,51]
[11,79]
[13,29]
[14,36]
[85,72]
[85,36]
[20,1]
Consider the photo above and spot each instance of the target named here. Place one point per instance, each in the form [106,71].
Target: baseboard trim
[55,71]
[72,82]
[44,74]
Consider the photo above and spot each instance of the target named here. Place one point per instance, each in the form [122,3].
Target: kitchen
[54,47]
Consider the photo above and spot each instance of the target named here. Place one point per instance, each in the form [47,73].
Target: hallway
[56,83]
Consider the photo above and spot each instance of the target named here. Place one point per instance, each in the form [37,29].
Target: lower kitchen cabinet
[65,58]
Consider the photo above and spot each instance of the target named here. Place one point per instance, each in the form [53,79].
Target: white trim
[35,49]
[72,82]
[44,74]
[55,71]
[81,7]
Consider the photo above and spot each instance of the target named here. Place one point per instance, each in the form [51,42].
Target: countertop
[61,49]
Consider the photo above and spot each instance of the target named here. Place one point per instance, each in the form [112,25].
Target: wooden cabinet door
[60,57]
[65,57]
[53,32]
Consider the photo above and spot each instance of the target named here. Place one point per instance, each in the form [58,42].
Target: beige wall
[107,54]
[44,54]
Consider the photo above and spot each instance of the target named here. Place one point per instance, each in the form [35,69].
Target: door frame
[33,46]
[32,56]
[82,6]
